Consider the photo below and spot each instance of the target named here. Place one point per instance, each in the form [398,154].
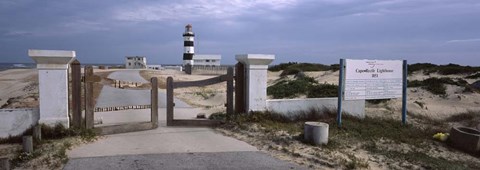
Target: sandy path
[110,96]
[127,75]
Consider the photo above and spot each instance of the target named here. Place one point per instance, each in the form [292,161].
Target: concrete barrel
[465,138]
[307,131]
[316,132]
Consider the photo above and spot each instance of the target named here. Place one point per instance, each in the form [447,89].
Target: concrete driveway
[165,147]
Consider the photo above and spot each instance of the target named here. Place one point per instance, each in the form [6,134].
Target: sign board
[373,79]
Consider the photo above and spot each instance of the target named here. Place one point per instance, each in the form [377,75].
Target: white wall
[207,59]
[291,106]
[15,121]
[135,62]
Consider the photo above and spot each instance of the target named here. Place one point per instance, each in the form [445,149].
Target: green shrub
[448,69]
[420,66]
[218,116]
[281,66]
[302,86]
[59,131]
[456,69]
[473,76]
[437,85]
[291,68]
[288,89]
[323,90]
[290,72]
[308,79]
[437,89]
[433,85]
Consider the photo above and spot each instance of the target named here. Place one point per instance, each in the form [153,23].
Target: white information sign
[373,79]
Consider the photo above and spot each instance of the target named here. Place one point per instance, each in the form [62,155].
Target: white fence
[295,106]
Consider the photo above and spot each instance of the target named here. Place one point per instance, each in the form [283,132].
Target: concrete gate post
[52,68]
[256,66]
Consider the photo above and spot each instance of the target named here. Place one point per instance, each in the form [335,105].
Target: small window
[129,64]
[207,61]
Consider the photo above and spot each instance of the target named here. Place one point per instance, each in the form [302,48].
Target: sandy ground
[18,88]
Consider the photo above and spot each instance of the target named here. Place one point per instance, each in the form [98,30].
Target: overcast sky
[320,31]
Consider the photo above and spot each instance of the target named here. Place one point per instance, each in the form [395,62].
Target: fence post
[76,94]
[170,103]
[4,163]
[239,88]
[89,104]
[229,92]
[37,132]
[27,144]
[154,102]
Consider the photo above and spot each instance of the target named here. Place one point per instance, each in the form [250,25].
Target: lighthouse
[189,51]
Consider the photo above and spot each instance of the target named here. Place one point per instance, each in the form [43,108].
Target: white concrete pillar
[256,66]
[52,68]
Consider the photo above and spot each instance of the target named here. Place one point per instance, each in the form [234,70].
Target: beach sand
[19,88]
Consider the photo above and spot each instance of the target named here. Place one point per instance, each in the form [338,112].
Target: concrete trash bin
[465,138]
[316,132]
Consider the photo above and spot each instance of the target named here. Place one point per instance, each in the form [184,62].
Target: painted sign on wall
[373,79]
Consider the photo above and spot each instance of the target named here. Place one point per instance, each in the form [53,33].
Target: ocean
[6,66]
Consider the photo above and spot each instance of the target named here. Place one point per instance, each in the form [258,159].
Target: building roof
[135,57]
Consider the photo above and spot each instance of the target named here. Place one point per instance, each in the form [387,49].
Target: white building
[206,59]
[135,62]
[155,67]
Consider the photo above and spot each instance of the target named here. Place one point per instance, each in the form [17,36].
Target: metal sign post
[340,92]
[404,93]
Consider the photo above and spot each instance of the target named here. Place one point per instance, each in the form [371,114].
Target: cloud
[463,41]
[194,9]
[18,33]
[85,26]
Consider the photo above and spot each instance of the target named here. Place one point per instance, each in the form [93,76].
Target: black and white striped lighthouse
[189,51]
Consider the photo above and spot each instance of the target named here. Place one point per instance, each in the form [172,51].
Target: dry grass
[50,152]
[360,143]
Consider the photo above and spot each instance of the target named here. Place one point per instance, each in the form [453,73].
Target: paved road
[111,97]
[174,161]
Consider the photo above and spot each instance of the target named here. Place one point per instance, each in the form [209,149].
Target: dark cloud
[307,31]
